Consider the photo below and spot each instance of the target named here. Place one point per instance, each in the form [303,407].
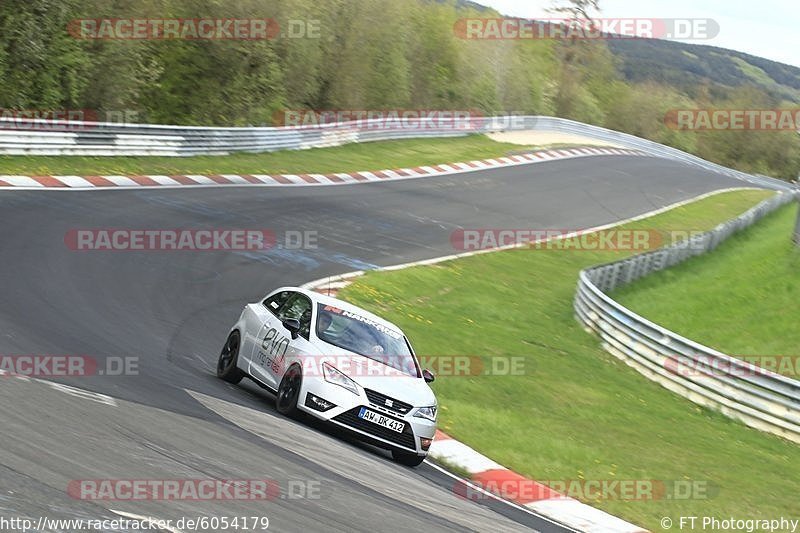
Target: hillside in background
[689,66]
[383,54]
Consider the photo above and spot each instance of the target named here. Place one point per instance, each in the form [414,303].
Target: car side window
[274,302]
[299,307]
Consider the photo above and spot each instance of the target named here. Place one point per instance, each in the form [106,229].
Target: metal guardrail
[631,141]
[112,139]
[740,390]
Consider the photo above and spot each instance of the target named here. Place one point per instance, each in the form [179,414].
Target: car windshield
[364,336]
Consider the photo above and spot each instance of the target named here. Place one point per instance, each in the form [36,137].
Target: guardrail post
[796,237]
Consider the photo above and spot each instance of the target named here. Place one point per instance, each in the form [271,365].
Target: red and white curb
[496,479]
[297,180]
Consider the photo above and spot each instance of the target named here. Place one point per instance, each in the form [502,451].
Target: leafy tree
[42,66]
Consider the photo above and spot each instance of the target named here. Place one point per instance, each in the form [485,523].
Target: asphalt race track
[172,310]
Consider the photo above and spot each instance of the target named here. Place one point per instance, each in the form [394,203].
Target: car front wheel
[289,391]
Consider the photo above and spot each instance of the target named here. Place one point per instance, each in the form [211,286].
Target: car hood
[374,375]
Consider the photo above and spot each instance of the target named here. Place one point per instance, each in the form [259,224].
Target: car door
[288,349]
[270,338]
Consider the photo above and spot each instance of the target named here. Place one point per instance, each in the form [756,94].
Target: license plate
[379,419]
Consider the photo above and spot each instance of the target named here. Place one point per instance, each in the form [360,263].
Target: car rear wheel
[407,459]
[289,391]
[226,365]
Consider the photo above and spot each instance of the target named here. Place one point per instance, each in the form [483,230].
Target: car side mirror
[293,325]
[428,376]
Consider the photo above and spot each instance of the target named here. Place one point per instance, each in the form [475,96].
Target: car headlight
[428,413]
[332,375]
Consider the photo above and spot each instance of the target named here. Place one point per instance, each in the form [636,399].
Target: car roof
[324,299]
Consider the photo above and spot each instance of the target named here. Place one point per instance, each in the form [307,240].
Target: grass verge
[747,292]
[576,412]
[376,155]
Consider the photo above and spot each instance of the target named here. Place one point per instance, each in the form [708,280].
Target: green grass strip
[747,292]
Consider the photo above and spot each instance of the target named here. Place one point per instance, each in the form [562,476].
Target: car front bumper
[340,406]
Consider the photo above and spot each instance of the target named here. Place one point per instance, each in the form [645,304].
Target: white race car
[338,363]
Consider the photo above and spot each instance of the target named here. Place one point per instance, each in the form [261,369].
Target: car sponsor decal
[273,350]
[380,327]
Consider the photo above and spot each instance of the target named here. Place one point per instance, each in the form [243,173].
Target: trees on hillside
[355,54]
